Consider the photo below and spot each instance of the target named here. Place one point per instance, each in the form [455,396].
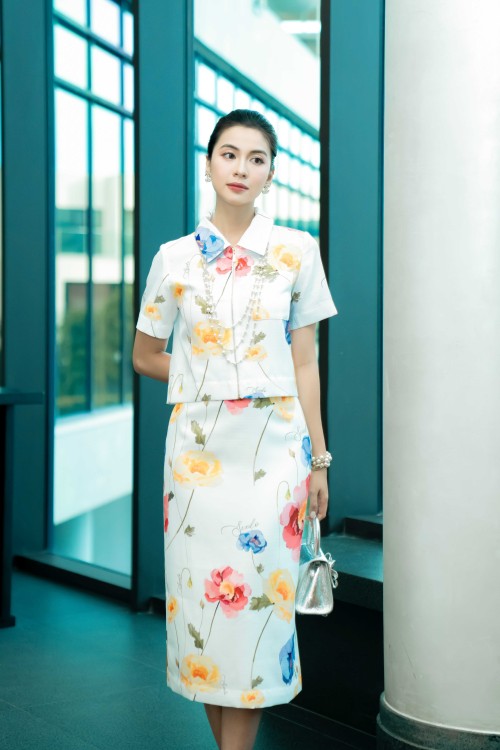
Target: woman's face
[240,165]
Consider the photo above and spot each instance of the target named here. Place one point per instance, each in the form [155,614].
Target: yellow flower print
[205,343]
[252,698]
[176,411]
[197,469]
[284,406]
[172,608]
[178,290]
[285,258]
[280,589]
[256,352]
[260,313]
[200,673]
[152,311]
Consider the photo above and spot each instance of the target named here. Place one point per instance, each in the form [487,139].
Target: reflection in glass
[128,231]
[75,9]
[105,20]
[72,261]
[129,196]
[70,57]
[106,75]
[106,265]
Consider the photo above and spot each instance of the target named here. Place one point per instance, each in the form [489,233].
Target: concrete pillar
[442,375]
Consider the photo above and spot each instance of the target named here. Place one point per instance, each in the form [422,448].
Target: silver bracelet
[321,462]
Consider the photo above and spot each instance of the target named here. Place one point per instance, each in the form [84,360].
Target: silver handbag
[317,576]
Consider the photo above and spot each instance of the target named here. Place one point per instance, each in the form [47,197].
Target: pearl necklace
[252,304]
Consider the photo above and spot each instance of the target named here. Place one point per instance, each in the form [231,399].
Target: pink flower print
[228,588]
[292,518]
[243,265]
[165,512]
[236,405]
[225,263]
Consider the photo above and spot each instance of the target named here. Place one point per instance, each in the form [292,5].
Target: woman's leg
[239,727]
[214,715]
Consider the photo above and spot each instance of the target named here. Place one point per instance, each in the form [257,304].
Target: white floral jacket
[294,293]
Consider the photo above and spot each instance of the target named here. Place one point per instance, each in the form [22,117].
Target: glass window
[241,99]
[297,169]
[74,9]
[72,258]
[70,57]
[225,94]
[205,87]
[105,20]
[128,32]
[106,75]
[205,121]
[94,244]
[128,87]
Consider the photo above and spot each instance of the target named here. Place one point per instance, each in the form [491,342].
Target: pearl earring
[208,178]
[266,187]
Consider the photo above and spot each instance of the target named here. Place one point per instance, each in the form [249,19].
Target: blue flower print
[306,452]
[287,659]
[256,394]
[210,245]
[288,335]
[252,540]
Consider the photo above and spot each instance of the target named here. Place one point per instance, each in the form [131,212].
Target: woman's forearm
[308,387]
[156,366]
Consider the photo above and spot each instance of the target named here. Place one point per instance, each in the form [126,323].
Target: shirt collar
[212,242]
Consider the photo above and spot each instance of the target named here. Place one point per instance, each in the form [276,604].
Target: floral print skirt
[235,493]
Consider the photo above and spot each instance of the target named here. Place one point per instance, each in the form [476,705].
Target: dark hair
[249,118]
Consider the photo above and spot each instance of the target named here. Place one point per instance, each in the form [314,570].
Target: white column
[442,364]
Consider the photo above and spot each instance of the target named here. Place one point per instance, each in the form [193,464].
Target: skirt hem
[232,698]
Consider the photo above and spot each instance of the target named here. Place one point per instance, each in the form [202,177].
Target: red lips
[237,185]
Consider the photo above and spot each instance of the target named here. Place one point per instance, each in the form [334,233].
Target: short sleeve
[158,305]
[311,297]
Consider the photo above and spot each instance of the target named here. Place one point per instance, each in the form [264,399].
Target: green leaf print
[198,641]
[259,568]
[288,495]
[189,530]
[256,681]
[258,337]
[259,474]
[268,271]
[295,296]
[291,452]
[206,397]
[203,303]
[260,602]
[160,298]
[200,436]
[260,403]
[170,495]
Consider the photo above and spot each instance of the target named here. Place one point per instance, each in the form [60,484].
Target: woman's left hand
[318,494]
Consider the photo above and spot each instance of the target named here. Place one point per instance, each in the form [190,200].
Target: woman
[243,297]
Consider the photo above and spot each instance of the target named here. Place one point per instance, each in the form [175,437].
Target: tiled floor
[79,671]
